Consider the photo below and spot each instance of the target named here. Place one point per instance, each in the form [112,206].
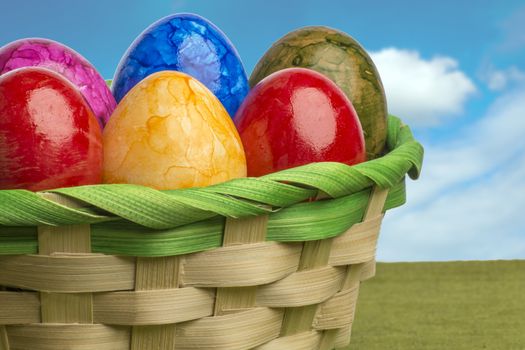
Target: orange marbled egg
[171,132]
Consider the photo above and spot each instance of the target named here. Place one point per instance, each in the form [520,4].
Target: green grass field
[453,305]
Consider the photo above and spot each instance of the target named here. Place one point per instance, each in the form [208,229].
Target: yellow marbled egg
[171,132]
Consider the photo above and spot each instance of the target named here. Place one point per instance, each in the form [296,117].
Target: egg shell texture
[63,60]
[171,132]
[187,43]
[297,116]
[342,59]
[49,137]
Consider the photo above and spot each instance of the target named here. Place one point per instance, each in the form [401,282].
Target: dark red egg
[297,116]
[49,136]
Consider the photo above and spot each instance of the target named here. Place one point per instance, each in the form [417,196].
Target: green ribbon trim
[140,221]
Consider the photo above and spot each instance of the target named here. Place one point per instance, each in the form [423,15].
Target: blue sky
[454,70]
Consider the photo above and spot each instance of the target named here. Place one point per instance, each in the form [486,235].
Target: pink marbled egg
[45,53]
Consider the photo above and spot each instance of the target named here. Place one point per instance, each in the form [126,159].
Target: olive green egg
[342,59]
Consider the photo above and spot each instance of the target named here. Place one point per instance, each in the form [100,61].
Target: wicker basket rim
[236,198]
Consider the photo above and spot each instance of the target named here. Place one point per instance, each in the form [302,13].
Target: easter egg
[171,132]
[35,52]
[343,60]
[49,136]
[297,116]
[187,43]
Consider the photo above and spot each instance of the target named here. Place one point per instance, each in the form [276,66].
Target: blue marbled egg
[187,43]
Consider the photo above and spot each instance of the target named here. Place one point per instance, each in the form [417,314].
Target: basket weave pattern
[253,281]
[263,290]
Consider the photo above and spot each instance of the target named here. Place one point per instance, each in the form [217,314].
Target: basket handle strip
[59,307]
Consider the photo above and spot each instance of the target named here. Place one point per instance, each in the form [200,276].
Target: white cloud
[499,79]
[469,201]
[423,92]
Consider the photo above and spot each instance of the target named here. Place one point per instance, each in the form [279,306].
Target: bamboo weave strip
[358,244]
[302,288]
[358,272]
[236,331]
[369,270]
[242,231]
[155,307]
[338,311]
[240,265]
[60,307]
[19,308]
[66,307]
[315,255]
[155,274]
[68,337]
[342,338]
[4,345]
[301,341]
[68,273]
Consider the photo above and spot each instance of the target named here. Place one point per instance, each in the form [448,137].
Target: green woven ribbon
[140,221]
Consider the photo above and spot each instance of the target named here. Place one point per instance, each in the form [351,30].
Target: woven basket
[253,263]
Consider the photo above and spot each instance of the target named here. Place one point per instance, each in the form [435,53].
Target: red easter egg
[297,116]
[49,136]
